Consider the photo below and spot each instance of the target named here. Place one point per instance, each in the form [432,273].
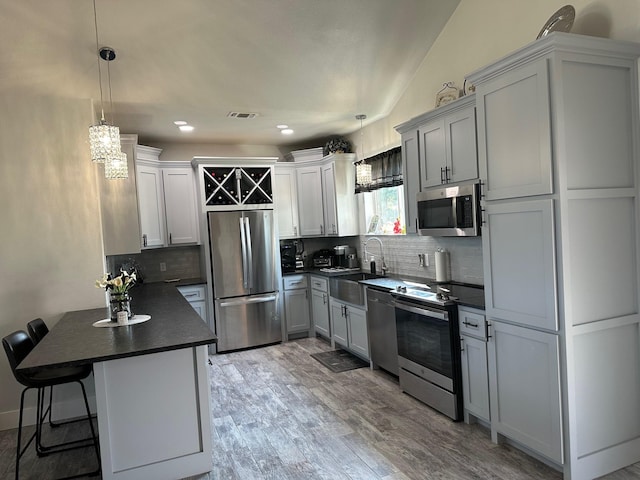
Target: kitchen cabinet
[310,203]
[166,199]
[286,200]
[196,295]
[349,327]
[475,370]
[320,305]
[328,206]
[296,303]
[448,145]
[150,198]
[438,147]
[558,161]
[524,379]
[119,206]
[180,205]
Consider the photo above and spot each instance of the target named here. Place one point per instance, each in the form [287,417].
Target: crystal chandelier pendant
[104,141]
[115,166]
[363,174]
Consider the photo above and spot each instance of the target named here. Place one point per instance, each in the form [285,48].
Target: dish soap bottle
[372,264]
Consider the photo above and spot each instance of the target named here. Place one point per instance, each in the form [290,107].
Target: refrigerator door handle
[244,301]
[249,253]
[243,243]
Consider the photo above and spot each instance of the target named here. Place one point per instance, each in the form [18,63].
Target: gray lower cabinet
[349,327]
[196,295]
[296,303]
[524,381]
[320,306]
[475,369]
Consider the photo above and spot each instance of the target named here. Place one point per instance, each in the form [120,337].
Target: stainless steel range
[429,347]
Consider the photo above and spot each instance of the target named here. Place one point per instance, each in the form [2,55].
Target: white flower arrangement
[120,284]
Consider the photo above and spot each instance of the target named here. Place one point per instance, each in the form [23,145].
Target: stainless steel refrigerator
[245,289]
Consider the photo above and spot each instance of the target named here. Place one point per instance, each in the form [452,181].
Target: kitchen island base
[154,415]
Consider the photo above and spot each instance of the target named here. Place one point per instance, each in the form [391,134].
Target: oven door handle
[423,310]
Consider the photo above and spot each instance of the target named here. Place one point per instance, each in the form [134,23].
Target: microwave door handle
[454,207]
[249,252]
[243,246]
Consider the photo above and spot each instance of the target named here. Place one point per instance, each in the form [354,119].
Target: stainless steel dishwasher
[381,318]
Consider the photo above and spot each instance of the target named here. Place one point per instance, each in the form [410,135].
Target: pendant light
[363,170]
[104,139]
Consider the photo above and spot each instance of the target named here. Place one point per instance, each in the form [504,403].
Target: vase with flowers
[118,288]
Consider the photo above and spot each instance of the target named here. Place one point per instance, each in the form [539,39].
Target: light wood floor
[279,414]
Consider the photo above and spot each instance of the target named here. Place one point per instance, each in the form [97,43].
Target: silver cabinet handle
[321,229]
[144,239]
[461,344]
[324,299]
[469,324]
[295,231]
[187,295]
[170,239]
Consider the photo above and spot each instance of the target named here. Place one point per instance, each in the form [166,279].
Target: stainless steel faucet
[383,267]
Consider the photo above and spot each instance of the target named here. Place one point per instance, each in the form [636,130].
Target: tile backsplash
[180,262]
[401,256]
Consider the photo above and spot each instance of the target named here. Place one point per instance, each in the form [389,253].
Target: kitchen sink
[347,288]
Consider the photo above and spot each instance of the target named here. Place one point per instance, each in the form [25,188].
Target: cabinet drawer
[472,322]
[193,293]
[292,282]
[320,283]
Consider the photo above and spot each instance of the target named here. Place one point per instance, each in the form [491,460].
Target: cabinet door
[310,201]
[411,178]
[339,330]
[475,377]
[286,202]
[514,133]
[150,198]
[201,309]
[358,337]
[519,263]
[524,373]
[119,206]
[462,154]
[329,199]
[296,310]
[320,312]
[432,153]
[180,206]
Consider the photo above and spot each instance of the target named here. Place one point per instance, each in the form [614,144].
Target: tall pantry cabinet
[558,154]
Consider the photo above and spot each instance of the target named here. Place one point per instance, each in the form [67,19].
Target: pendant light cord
[95,21]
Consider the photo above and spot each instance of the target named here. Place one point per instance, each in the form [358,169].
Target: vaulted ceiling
[310,64]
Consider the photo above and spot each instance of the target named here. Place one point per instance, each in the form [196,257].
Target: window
[384,211]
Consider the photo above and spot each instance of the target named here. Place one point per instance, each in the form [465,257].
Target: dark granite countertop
[75,341]
[467,294]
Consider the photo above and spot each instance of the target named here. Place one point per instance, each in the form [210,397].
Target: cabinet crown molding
[556,42]
[458,104]
[233,161]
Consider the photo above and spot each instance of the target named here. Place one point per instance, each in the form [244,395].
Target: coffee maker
[345,255]
[287,256]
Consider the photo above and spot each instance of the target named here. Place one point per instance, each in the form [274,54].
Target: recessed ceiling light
[180,122]
[186,128]
[282,127]
[286,131]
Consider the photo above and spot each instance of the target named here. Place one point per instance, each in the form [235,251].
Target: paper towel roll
[442,266]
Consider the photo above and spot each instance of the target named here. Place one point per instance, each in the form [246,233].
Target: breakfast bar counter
[152,383]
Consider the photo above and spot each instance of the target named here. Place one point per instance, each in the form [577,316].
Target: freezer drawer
[244,322]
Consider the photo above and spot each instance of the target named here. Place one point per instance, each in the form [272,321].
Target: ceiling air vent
[241,115]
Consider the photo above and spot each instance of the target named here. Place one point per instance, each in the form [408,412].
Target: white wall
[50,245]
[482,31]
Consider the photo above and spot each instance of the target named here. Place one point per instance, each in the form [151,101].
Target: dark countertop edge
[183,282]
[471,300]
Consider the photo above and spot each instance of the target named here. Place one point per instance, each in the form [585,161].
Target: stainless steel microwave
[450,210]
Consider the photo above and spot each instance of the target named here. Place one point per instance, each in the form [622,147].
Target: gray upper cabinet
[514,140]
[411,178]
[558,152]
[438,147]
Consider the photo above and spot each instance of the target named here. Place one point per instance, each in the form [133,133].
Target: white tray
[132,321]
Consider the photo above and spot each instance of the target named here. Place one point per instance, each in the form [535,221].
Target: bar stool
[37,331]
[17,346]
